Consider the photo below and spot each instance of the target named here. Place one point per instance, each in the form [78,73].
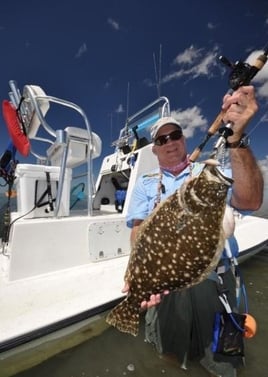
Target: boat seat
[75,142]
[33,108]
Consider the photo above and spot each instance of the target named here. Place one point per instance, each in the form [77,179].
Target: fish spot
[149,239]
[137,270]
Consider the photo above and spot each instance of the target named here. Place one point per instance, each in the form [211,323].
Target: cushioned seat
[76,140]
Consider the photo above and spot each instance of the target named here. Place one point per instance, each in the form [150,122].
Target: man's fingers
[125,289]
[153,301]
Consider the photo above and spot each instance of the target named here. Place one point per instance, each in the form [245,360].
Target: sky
[112,58]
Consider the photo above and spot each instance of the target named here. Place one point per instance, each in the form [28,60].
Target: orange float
[250,326]
[15,129]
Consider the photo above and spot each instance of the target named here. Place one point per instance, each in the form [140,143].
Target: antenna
[160,69]
[156,77]
[127,109]
[111,126]
[158,74]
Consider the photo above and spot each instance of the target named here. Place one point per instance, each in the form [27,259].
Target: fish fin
[124,318]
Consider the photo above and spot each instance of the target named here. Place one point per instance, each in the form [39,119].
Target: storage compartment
[37,187]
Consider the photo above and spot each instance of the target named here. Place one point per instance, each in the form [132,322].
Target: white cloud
[188,56]
[81,51]
[173,76]
[120,109]
[191,119]
[263,90]
[211,26]
[205,65]
[264,168]
[113,23]
[261,79]
[108,83]
[192,63]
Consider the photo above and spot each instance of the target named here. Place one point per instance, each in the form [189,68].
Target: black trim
[36,334]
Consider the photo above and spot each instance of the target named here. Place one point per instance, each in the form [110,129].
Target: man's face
[173,151]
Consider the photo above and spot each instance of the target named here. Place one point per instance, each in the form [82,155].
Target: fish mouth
[212,165]
[229,181]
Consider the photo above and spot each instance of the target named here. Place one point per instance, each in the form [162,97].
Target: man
[182,324]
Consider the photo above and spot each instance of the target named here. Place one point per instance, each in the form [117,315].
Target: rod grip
[260,61]
[211,131]
[217,123]
[195,154]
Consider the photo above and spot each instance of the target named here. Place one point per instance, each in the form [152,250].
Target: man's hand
[240,107]
[154,299]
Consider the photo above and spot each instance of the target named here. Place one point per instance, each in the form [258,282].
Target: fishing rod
[241,74]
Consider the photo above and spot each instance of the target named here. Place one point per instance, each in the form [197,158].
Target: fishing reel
[241,72]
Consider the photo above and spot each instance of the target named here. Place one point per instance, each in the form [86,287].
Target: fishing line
[261,120]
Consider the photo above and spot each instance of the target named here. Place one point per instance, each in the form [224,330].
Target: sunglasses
[161,140]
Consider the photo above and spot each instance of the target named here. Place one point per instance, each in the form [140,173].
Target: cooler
[37,187]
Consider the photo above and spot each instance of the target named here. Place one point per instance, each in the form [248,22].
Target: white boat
[60,265]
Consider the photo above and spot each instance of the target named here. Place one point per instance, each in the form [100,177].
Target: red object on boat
[15,129]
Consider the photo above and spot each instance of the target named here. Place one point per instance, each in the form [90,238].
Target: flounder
[177,246]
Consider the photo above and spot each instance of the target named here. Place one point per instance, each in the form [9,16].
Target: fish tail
[125,318]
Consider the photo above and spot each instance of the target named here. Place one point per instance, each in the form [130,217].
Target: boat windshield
[137,128]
